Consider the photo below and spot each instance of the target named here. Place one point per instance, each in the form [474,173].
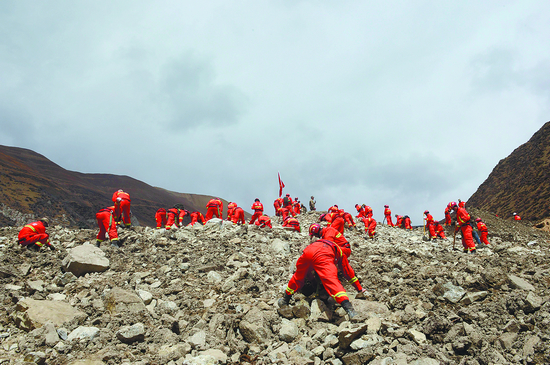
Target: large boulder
[85,259]
[33,313]
[119,300]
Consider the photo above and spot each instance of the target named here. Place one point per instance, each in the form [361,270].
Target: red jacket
[387,212]
[462,218]
[333,235]
[257,207]
[429,219]
[122,195]
[263,221]
[482,227]
[292,222]
[31,229]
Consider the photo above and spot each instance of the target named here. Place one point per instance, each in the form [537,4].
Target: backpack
[286,201]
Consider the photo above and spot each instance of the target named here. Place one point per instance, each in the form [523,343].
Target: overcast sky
[410,104]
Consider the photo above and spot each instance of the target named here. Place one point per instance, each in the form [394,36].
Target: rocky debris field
[208,295]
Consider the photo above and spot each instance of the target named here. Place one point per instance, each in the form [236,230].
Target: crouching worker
[34,235]
[107,226]
[325,257]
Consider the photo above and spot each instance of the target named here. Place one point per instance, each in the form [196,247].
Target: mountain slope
[521,182]
[30,183]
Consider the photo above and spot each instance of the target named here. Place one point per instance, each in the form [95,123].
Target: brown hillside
[519,183]
[30,183]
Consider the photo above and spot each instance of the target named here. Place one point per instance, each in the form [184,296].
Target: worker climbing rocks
[368,212]
[407,223]
[174,216]
[516,217]
[214,207]
[107,226]
[278,205]
[447,216]
[463,224]
[325,258]
[482,228]
[399,221]
[370,226]
[387,215]
[196,217]
[122,207]
[258,209]
[292,222]
[264,221]
[160,217]
[429,225]
[348,219]
[439,231]
[33,235]
[230,209]
[360,211]
[238,216]
[333,209]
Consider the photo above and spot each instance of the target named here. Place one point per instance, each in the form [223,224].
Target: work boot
[473,251]
[284,301]
[115,244]
[98,243]
[346,304]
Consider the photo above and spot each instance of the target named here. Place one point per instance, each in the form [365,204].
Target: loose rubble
[208,295]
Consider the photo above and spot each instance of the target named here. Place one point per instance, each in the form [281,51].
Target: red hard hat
[478,220]
[451,205]
[315,229]
[386,206]
[426,212]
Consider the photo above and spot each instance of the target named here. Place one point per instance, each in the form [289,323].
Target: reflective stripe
[353,280]
[339,294]
[39,244]
[31,227]
[338,235]
[289,290]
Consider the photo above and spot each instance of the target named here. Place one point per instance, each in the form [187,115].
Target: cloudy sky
[410,104]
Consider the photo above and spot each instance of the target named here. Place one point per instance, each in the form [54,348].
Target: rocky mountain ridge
[208,295]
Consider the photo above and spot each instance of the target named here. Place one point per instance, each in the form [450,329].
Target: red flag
[281,185]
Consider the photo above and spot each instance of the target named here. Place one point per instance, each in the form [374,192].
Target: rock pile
[208,295]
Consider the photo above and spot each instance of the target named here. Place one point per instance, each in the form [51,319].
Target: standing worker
[482,228]
[33,235]
[387,215]
[325,258]
[214,207]
[107,226]
[447,216]
[430,224]
[122,206]
[258,209]
[297,206]
[463,224]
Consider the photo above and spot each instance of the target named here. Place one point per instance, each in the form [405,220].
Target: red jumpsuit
[337,222]
[447,217]
[292,222]
[387,214]
[430,225]
[439,231]
[214,208]
[34,233]
[348,218]
[370,226]
[160,217]
[107,225]
[258,211]
[360,211]
[407,222]
[230,209]
[333,209]
[264,221]
[462,205]
[297,207]
[278,204]
[122,210]
[172,215]
[333,235]
[287,207]
[325,257]
[368,212]
[238,216]
[196,217]
[463,223]
[482,228]
[399,221]
[517,217]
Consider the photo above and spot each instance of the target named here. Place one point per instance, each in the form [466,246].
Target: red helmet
[426,212]
[386,206]
[452,205]
[478,219]
[315,230]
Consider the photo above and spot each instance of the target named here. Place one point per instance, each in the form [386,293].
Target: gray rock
[507,339]
[373,325]
[289,331]
[529,345]
[320,311]
[219,356]
[469,298]
[279,246]
[65,279]
[36,357]
[214,277]
[532,303]
[130,334]
[417,336]
[85,259]
[452,292]
[36,285]
[118,300]
[51,338]
[83,333]
[363,356]
[518,283]
[347,335]
[198,340]
[301,309]
[33,314]
[145,296]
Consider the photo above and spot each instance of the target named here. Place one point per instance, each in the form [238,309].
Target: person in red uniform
[333,209]
[107,226]
[360,211]
[387,215]
[439,231]
[122,206]
[297,206]
[407,222]
[517,217]
[214,207]
[230,209]
[447,216]
[368,212]
[160,217]
[463,224]
[258,209]
[325,258]
[399,221]
[348,218]
[331,234]
[238,216]
[482,228]
[278,205]
[370,226]
[292,222]
[461,204]
[430,224]
[196,217]
[286,209]
[174,216]
[33,235]
[264,221]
